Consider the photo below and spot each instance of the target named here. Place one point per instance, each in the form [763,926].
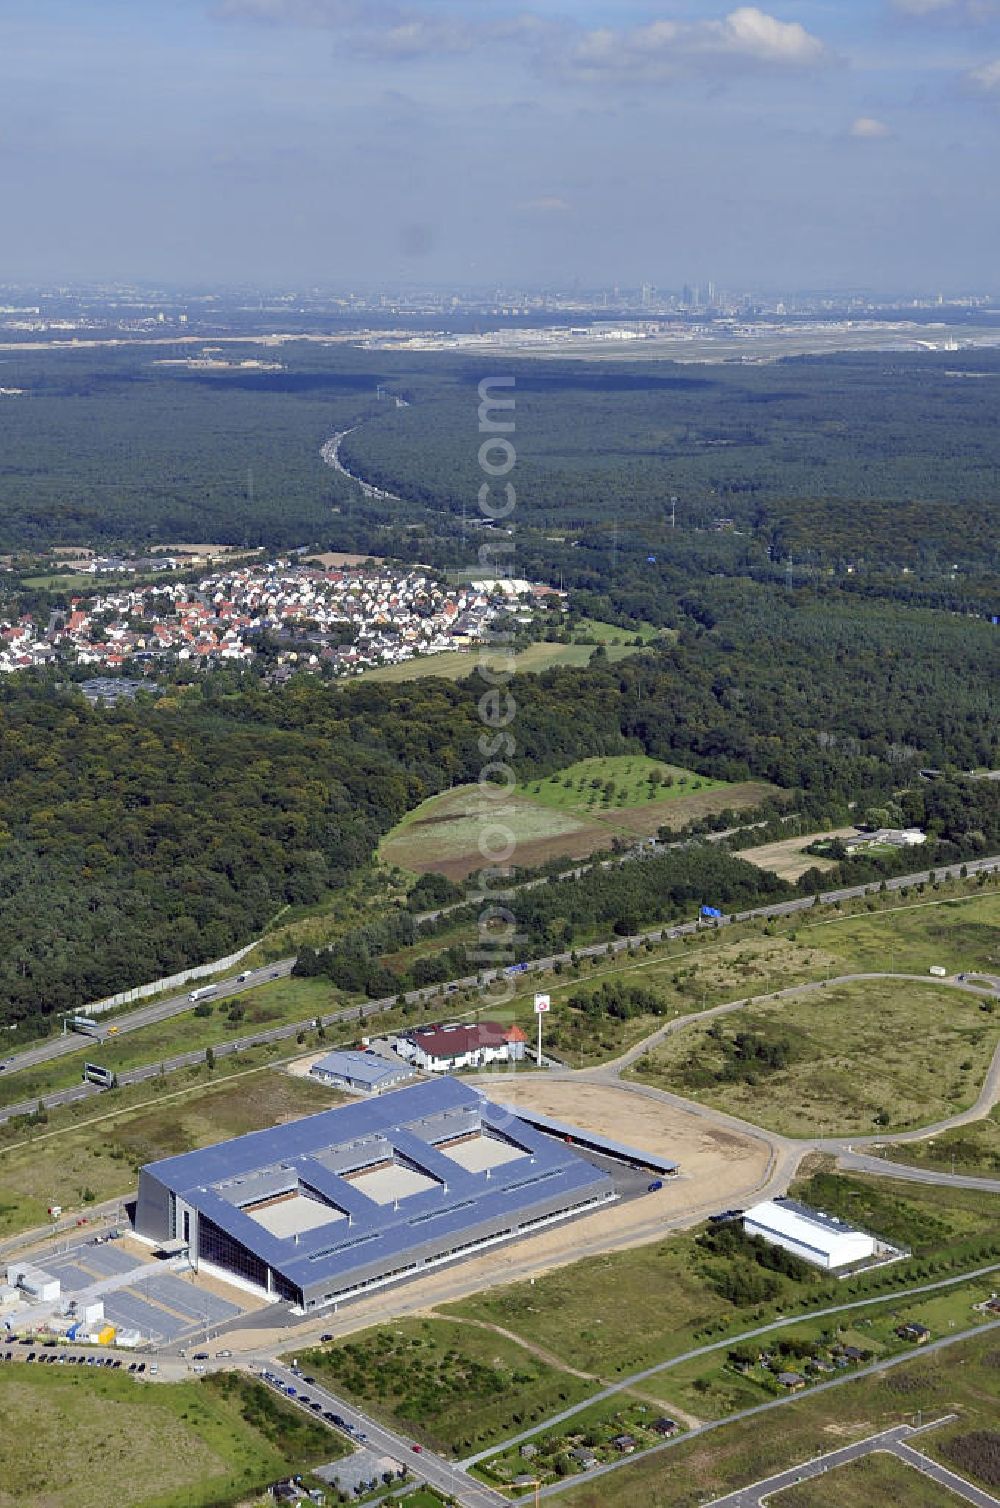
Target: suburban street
[895,1441]
[424,1463]
[765,1408]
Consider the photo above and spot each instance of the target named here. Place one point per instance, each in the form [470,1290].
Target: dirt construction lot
[714,1164]
[717,1170]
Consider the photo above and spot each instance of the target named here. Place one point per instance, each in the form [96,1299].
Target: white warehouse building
[815,1237]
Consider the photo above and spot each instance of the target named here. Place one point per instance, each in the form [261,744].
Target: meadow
[965,1379]
[201,1444]
[91,1151]
[839,1059]
[612,1315]
[876,1478]
[573,813]
[974,1149]
[456,664]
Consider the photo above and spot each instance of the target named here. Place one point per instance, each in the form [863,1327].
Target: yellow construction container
[107,1335]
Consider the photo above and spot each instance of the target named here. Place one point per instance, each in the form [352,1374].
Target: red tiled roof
[441,1041]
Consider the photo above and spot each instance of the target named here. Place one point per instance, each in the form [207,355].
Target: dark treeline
[554,916]
[139,840]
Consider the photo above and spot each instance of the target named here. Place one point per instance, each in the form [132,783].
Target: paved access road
[639,1379]
[894,1441]
[432,1468]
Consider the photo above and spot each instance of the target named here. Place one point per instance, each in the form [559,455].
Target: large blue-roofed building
[327,1208]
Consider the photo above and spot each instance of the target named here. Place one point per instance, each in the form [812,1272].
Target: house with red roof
[447,1046]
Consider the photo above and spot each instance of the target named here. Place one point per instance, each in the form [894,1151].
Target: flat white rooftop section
[482,1152]
[293,1217]
[816,1236]
[386,1185]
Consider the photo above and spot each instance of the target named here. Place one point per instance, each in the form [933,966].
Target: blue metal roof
[362,1067]
[458,1200]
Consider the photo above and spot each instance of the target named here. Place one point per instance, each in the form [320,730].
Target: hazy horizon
[427,142]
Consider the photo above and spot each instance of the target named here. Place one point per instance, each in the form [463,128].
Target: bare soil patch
[787,858]
[676,812]
[710,1158]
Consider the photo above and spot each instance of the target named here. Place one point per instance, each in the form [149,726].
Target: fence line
[142,991]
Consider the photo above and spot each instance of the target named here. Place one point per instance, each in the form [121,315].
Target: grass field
[610,633]
[89,1153]
[877,1478]
[455,664]
[67,581]
[712,1388]
[552,818]
[85,1441]
[967,1149]
[615,1314]
[848,1058]
[964,1380]
[951,927]
[609,1315]
[453,1386]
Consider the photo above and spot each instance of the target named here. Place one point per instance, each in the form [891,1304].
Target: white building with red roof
[445,1047]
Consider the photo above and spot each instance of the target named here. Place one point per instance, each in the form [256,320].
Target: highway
[175,1005]
[145,1015]
[252,978]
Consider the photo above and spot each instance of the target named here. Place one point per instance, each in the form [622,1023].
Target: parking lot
[53,1356]
[162,1305]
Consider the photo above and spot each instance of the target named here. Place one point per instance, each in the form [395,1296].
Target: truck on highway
[204,992]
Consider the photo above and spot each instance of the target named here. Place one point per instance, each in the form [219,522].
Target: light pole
[543,1004]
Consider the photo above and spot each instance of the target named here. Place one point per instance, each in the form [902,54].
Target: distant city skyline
[825,145]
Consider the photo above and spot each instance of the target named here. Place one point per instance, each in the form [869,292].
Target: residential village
[305,616]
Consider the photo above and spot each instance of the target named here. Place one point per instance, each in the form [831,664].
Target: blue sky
[829,143]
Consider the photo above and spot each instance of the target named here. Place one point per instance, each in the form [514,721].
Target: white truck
[204,992]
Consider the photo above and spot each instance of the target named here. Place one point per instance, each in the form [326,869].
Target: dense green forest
[847,459]
[166,832]
[112,447]
[142,839]
[864,460]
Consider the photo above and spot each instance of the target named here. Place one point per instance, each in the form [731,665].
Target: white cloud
[417,36]
[986,78]
[867,128]
[661,49]
[546,204]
